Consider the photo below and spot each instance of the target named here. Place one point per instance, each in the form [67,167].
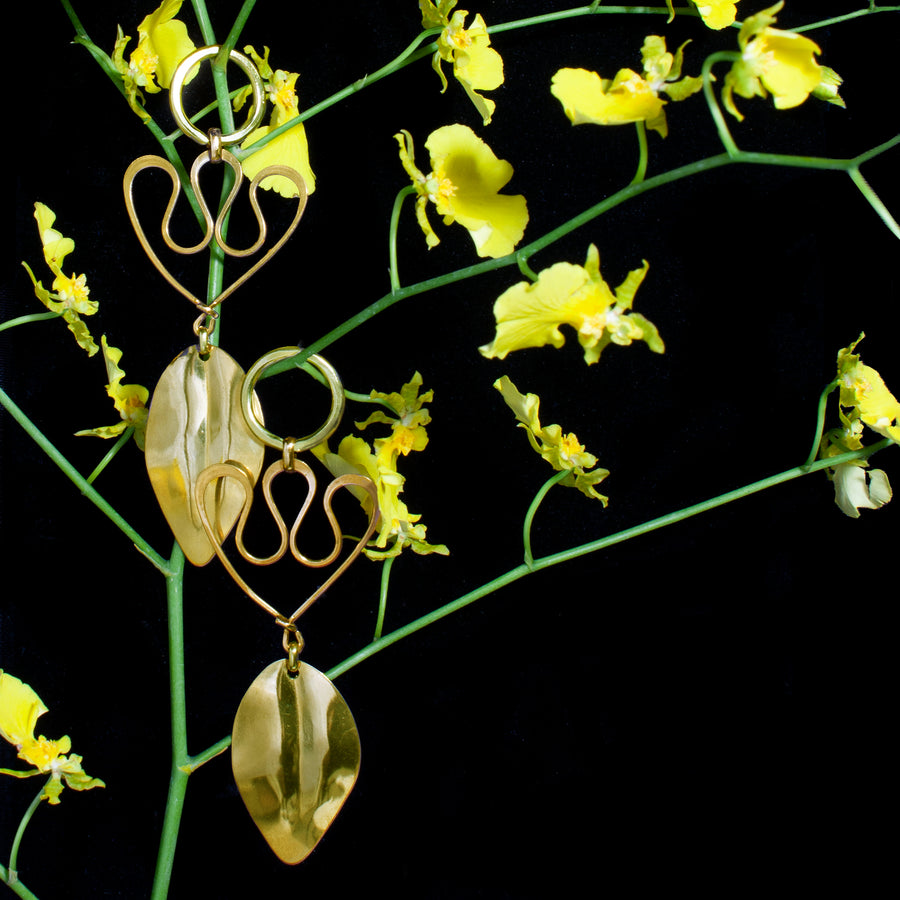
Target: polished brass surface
[238,477]
[196,421]
[298,445]
[213,227]
[176,102]
[295,756]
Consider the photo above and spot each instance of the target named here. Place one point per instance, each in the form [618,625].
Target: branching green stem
[24,320]
[12,881]
[820,424]
[81,483]
[402,194]
[119,444]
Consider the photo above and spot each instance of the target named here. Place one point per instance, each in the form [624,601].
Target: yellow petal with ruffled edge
[863,389]
[165,38]
[716,14]
[464,185]
[589,99]
[20,708]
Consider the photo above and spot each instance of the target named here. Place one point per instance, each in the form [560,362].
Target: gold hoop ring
[334,384]
[177,105]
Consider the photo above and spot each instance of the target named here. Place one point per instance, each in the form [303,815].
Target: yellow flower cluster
[716,14]
[628,97]
[68,294]
[476,65]
[162,43]
[780,63]
[563,451]
[130,400]
[287,149]
[530,314]
[464,185]
[864,400]
[20,708]
[399,527]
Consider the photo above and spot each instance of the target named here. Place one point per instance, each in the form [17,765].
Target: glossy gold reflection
[195,421]
[295,756]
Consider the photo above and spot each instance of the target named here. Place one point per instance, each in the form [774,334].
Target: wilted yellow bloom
[476,65]
[589,99]
[162,43]
[288,149]
[398,527]
[865,395]
[20,708]
[464,185]
[529,314]
[781,63]
[563,451]
[68,296]
[716,14]
[130,400]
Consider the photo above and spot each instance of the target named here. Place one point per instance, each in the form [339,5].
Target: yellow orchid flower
[562,451]
[288,149]
[866,396]
[130,400]
[476,65]
[464,185]
[20,708]
[716,14]
[162,43]
[629,97]
[780,63]
[398,527]
[68,294]
[855,485]
[529,314]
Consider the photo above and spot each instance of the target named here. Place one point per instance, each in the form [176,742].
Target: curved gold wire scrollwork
[288,539]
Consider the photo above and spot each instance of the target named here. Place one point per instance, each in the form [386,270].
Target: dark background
[704,707]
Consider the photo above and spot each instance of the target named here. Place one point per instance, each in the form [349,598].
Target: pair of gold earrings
[295,747]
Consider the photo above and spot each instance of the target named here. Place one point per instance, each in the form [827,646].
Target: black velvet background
[703,708]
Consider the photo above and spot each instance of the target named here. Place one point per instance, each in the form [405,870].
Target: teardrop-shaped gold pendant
[196,420]
[295,756]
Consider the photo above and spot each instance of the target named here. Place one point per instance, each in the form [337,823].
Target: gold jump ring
[334,384]
[177,104]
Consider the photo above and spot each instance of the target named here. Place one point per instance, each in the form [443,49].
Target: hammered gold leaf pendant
[295,756]
[196,420]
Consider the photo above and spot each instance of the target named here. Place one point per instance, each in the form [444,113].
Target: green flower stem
[871,8]
[12,881]
[642,153]
[875,201]
[20,831]
[81,483]
[546,562]
[392,234]
[120,443]
[23,320]
[383,595]
[820,424]
[181,760]
[529,515]
[731,148]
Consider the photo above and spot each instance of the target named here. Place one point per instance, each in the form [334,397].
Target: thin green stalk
[120,443]
[874,200]
[392,235]
[31,317]
[81,483]
[532,509]
[731,148]
[15,885]
[642,153]
[383,595]
[181,761]
[820,424]
[20,831]
[822,23]
[546,562]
